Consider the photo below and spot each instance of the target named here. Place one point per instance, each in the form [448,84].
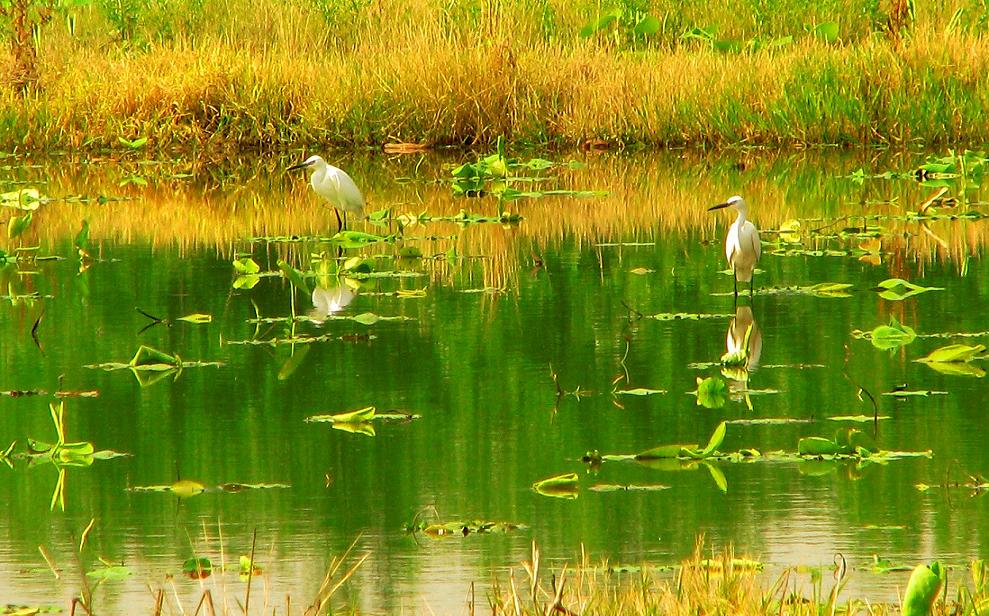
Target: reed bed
[212,74]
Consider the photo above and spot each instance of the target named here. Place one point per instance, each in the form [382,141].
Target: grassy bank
[209,73]
[722,584]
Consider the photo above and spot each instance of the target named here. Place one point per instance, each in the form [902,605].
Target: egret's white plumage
[335,186]
[742,247]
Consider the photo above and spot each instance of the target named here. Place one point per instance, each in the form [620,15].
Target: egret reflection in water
[331,299]
[743,349]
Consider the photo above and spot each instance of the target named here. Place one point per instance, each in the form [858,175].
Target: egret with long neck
[334,186]
[742,245]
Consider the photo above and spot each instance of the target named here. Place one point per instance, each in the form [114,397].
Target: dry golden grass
[423,72]
[717,584]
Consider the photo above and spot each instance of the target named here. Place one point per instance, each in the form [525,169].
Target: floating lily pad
[558,486]
[890,289]
[607,487]
[954,353]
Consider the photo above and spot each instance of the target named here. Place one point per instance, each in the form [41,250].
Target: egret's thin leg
[735,276]
[751,287]
[339,222]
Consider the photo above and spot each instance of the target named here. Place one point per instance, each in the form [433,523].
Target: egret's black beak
[299,166]
[718,206]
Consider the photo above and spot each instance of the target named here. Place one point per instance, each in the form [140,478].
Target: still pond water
[477,318]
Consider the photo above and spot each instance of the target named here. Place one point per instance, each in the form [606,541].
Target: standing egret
[335,186]
[742,245]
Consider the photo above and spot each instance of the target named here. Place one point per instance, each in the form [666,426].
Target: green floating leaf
[197,318]
[558,486]
[923,588]
[954,353]
[148,358]
[359,416]
[233,487]
[246,282]
[183,488]
[889,289]
[472,527]
[247,265]
[711,392]
[607,487]
[638,391]
[719,477]
[891,336]
[357,239]
[686,316]
[665,452]
[905,393]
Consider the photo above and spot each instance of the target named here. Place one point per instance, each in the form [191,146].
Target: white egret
[335,186]
[742,245]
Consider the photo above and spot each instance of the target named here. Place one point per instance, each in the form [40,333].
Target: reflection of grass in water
[651,199]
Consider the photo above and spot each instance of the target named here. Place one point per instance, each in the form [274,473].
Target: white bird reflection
[743,344]
[330,300]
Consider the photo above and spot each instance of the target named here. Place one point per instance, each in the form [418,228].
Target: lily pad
[558,486]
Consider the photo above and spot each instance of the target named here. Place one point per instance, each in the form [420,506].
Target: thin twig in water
[250,573]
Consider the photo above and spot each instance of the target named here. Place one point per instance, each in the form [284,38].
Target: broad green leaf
[294,276]
[890,289]
[559,486]
[719,477]
[711,392]
[185,488]
[647,25]
[246,282]
[148,358]
[816,446]
[891,336]
[351,417]
[717,437]
[664,452]
[365,428]
[135,144]
[247,265]
[956,368]
[953,353]
[923,589]
[827,31]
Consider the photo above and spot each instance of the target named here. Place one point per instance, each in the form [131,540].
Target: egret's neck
[741,217]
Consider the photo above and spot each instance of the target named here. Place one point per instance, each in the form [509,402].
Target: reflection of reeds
[657,199]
